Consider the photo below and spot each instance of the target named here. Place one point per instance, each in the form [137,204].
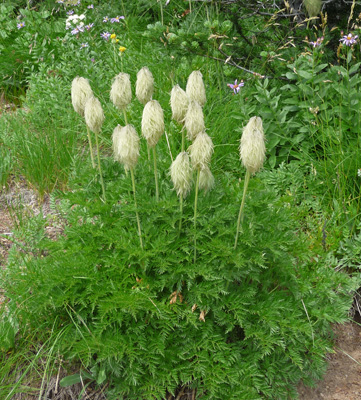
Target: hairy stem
[156,174]
[195,216]
[136,208]
[90,146]
[99,166]
[240,215]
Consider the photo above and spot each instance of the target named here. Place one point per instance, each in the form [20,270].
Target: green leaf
[70,380]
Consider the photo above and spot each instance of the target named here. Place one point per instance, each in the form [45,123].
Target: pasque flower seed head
[121,91]
[179,102]
[252,148]
[195,88]
[126,146]
[181,174]
[80,92]
[94,115]
[201,151]
[152,122]
[206,179]
[144,87]
[194,120]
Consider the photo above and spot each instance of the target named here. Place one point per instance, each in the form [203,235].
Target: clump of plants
[176,302]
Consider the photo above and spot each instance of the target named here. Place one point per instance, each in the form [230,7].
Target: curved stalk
[90,146]
[100,168]
[156,175]
[195,216]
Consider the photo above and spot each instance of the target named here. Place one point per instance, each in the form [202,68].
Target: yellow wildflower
[122,49]
[113,36]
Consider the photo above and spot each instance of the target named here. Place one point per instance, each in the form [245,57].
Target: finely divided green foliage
[267,306]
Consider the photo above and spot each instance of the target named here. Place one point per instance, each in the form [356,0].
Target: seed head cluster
[126,146]
[179,102]
[206,179]
[201,151]
[194,120]
[152,122]
[80,92]
[144,87]
[121,91]
[181,174]
[94,115]
[252,148]
[195,88]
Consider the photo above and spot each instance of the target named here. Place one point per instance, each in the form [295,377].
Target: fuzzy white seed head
[313,7]
[181,174]
[94,115]
[201,151]
[80,92]
[252,148]
[179,102]
[195,88]
[194,120]
[121,91]
[206,179]
[152,122]
[144,86]
[126,146]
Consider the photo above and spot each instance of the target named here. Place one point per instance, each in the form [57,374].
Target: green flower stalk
[252,151]
[152,130]
[94,118]
[126,151]
[80,93]
[144,86]
[195,88]
[181,175]
[200,152]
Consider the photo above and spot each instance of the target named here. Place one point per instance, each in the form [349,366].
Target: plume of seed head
[313,7]
[94,115]
[181,174]
[121,91]
[252,147]
[152,122]
[126,145]
[201,151]
[80,92]
[195,88]
[206,179]
[194,120]
[179,102]
[144,86]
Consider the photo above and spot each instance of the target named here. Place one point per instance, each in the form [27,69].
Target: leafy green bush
[237,324]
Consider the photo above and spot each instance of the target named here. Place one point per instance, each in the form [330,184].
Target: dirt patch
[343,377]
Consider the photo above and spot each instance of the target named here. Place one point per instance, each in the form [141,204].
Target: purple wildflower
[106,19]
[21,25]
[236,86]
[105,35]
[88,27]
[318,42]
[349,39]
[91,6]
[83,45]
[80,27]
[92,60]
[70,12]
[75,31]
[116,19]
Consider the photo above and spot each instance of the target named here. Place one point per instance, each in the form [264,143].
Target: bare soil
[341,382]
